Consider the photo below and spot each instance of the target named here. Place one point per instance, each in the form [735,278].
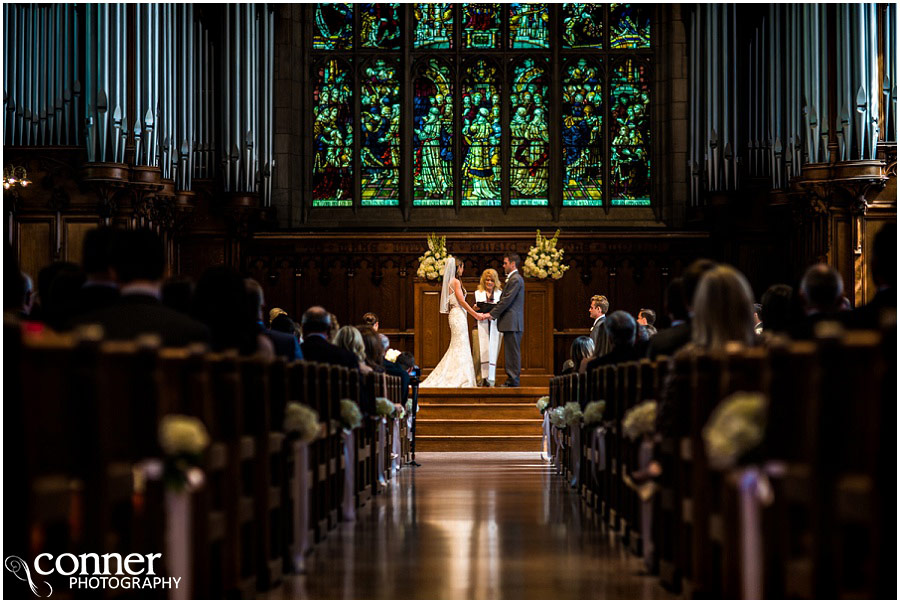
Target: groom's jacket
[509,312]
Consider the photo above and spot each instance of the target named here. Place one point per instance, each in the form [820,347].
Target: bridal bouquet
[640,420]
[544,259]
[431,265]
[737,426]
[301,420]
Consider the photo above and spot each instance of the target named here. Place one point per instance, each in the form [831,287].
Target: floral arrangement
[183,440]
[398,413]
[737,426]
[558,417]
[431,265]
[301,420]
[383,407]
[542,403]
[593,412]
[391,355]
[409,406]
[544,259]
[640,420]
[572,412]
[351,417]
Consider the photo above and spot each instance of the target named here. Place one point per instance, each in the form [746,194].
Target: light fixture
[15,175]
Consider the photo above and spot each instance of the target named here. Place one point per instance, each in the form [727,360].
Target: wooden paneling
[35,245]
[75,231]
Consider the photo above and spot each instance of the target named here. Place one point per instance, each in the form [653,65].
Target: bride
[456,368]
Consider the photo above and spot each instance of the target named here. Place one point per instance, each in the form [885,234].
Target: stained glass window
[379,114]
[332,181]
[379,26]
[481,25]
[528,25]
[629,26]
[582,134]
[630,135]
[582,25]
[334,27]
[433,136]
[481,133]
[529,135]
[434,25]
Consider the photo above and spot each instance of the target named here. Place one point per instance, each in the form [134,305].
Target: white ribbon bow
[348,504]
[755,491]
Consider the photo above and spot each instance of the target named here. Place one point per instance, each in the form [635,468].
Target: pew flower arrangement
[542,403]
[593,412]
[544,259]
[409,406]
[183,440]
[302,421]
[431,264]
[391,355]
[351,417]
[572,413]
[558,417]
[735,428]
[384,407]
[640,420]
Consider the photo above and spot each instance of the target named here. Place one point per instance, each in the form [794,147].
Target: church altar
[432,330]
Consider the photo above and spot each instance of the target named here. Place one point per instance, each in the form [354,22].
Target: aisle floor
[487,525]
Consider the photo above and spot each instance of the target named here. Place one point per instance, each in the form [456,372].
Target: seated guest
[642,340]
[100,288]
[65,308]
[621,329]
[581,348]
[679,305]
[222,303]
[27,296]
[376,360]
[407,361]
[13,284]
[370,319]
[647,317]
[316,324]
[285,324]
[178,293]
[757,321]
[775,311]
[284,344]
[335,325]
[138,265]
[884,273]
[820,290]
[349,338]
[275,313]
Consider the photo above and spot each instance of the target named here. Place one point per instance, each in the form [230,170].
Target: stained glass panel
[379,26]
[379,114]
[334,27]
[481,135]
[481,25]
[529,135]
[582,134]
[629,26]
[528,25]
[630,122]
[582,25]
[433,136]
[332,180]
[434,25]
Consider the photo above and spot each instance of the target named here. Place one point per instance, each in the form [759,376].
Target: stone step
[470,443]
[478,427]
[477,411]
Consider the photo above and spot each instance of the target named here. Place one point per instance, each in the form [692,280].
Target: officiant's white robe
[488,338]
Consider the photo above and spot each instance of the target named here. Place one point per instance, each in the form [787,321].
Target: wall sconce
[14,176]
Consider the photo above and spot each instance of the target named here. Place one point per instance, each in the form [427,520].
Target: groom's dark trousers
[512,355]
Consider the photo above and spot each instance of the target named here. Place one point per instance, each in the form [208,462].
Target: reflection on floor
[489,525]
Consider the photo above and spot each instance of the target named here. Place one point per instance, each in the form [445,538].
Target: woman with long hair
[486,295]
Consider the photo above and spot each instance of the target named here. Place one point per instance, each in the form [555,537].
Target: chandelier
[14,176]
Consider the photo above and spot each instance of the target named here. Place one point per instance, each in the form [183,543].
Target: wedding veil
[449,275]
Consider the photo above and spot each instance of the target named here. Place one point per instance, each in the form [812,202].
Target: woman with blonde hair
[486,295]
[723,310]
[349,338]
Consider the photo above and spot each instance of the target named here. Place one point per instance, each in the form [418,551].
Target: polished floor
[489,525]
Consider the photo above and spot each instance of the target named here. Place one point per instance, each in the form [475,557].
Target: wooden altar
[432,330]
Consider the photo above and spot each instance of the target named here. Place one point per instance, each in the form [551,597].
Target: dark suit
[510,316]
[668,341]
[869,316]
[392,368]
[95,296]
[134,315]
[318,349]
[602,344]
[286,345]
[623,353]
[806,328]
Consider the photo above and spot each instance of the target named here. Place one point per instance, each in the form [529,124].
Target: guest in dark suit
[285,345]
[679,303]
[138,264]
[884,273]
[178,293]
[821,290]
[597,311]
[100,289]
[316,325]
[622,330]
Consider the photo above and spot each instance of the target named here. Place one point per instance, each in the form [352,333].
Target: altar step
[479,419]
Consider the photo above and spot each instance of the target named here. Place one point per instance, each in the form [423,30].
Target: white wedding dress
[456,368]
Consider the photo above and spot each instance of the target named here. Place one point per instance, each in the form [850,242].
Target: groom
[509,312]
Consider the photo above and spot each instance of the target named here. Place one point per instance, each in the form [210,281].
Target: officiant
[486,296]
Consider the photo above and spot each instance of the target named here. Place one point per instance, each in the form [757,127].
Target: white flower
[593,412]
[558,416]
[640,420]
[181,434]
[302,420]
[383,407]
[542,403]
[391,355]
[351,417]
[736,426]
[572,412]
